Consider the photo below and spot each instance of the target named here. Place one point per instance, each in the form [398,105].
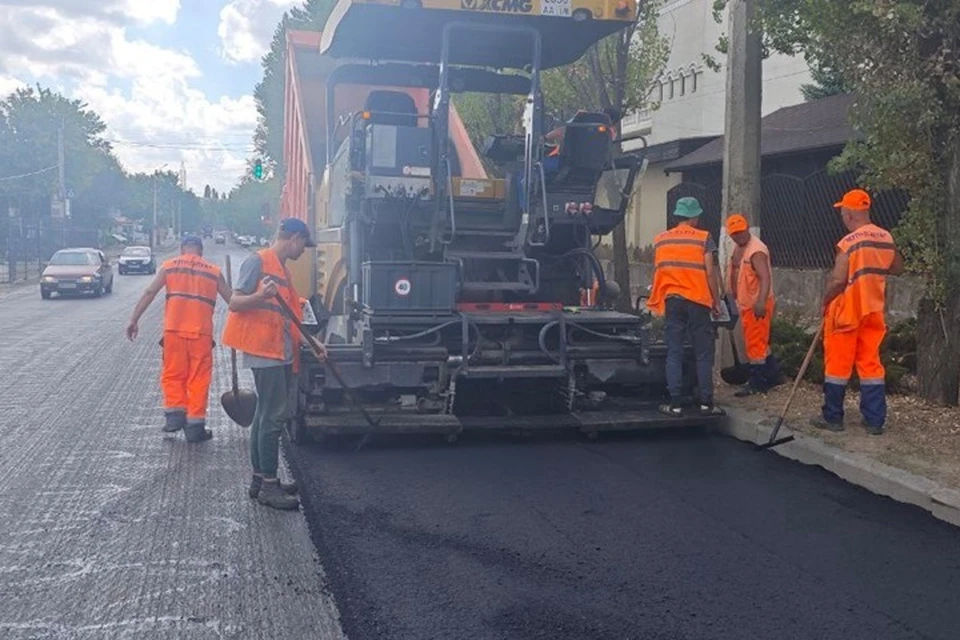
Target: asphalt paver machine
[456,291]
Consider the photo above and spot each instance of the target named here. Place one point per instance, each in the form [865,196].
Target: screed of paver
[109,528]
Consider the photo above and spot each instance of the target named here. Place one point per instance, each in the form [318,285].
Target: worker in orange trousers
[853,319]
[750,283]
[192,286]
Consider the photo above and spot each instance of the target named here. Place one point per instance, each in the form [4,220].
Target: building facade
[691,99]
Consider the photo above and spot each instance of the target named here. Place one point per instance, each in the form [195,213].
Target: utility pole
[62,202]
[154,242]
[741,136]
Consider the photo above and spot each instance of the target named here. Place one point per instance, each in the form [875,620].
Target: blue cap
[191,240]
[298,227]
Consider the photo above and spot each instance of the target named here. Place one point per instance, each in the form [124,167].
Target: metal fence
[27,244]
[797,219]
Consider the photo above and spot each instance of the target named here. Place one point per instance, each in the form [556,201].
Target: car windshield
[136,251]
[73,258]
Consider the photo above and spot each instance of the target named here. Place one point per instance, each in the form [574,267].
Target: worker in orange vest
[192,286]
[853,307]
[686,290]
[258,329]
[750,283]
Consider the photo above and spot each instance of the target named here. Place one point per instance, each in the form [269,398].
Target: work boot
[822,423]
[874,431]
[745,390]
[196,432]
[286,487]
[175,420]
[273,496]
[711,410]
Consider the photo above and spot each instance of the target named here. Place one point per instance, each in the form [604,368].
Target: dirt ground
[920,438]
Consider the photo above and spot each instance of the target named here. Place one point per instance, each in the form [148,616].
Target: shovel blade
[735,375]
[240,405]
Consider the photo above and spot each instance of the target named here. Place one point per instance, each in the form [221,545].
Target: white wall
[697,103]
[691,96]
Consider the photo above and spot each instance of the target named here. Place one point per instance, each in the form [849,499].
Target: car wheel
[45,295]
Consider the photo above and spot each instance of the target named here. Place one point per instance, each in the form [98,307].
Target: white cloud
[246,27]
[161,116]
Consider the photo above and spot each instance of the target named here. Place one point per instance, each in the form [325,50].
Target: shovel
[773,442]
[331,366]
[739,373]
[239,404]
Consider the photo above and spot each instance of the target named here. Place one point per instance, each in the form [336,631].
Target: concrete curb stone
[858,469]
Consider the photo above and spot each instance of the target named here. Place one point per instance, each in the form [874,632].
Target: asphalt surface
[110,528]
[652,537]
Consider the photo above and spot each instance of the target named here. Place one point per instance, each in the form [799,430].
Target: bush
[789,343]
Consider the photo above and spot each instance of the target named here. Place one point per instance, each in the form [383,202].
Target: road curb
[855,468]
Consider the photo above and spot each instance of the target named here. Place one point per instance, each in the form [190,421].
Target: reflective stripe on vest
[870,252]
[191,285]
[680,269]
[748,281]
[260,331]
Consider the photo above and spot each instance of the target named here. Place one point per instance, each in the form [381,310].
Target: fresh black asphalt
[652,537]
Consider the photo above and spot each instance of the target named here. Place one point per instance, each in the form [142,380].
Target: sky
[172,79]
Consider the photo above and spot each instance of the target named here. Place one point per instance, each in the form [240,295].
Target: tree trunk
[621,266]
[938,350]
[938,332]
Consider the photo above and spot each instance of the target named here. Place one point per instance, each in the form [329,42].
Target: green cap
[687,208]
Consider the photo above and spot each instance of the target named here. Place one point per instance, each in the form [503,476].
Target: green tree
[30,122]
[900,57]
[827,81]
[269,93]
[616,73]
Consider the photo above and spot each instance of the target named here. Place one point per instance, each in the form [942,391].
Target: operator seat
[585,150]
[391,107]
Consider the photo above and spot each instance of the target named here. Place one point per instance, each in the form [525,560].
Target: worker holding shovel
[258,329]
[192,286]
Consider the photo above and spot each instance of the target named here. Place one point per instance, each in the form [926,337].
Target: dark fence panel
[797,219]
[27,244]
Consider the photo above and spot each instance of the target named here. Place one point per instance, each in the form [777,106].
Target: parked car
[220,239]
[136,260]
[76,272]
[264,242]
[244,241]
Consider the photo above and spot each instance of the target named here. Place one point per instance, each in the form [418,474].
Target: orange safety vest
[870,253]
[680,269]
[260,331]
[192,287]
[748,282]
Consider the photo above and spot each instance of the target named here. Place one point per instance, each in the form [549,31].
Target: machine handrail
[546,210]
[453,215]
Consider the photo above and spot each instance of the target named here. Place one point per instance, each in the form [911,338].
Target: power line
[32,173]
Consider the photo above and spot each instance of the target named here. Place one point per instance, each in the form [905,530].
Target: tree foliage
[268,138]
[900,58]
[618,72]
[94,179]
[827,81]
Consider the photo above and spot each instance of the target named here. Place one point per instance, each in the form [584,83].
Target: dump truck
[456,287]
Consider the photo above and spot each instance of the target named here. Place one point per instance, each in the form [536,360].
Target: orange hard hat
[736,223]
[855,199]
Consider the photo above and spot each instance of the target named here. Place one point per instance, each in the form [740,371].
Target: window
[683,84]
[74,258]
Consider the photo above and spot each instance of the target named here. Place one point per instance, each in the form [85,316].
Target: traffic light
[258,170]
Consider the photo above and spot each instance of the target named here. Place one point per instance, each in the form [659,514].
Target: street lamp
[154,229]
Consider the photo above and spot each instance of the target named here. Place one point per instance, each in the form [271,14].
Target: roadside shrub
[789,342]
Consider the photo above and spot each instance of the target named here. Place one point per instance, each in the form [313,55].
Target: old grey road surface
[110,528]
